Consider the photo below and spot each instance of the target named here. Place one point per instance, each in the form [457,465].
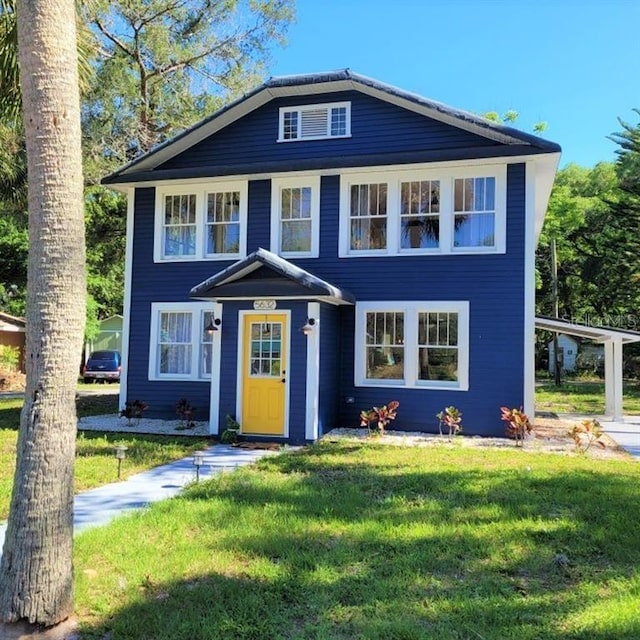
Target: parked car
[102,366]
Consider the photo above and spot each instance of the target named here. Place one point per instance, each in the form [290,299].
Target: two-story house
[328,243]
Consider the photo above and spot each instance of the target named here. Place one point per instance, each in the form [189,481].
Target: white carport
[613,340]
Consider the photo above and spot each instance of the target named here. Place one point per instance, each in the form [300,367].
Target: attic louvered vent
[315,122]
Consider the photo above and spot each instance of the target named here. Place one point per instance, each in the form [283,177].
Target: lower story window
[174,343]
[412,344]
[180,347]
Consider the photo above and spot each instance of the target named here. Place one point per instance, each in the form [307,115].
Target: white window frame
[329,106]
[197,311]
[411,309]
[446,177]
[201,191]
[277,184]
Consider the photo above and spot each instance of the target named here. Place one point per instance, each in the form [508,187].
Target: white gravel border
[113,422]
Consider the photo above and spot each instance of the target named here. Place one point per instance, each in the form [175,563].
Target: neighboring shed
[109,338]
[568,349]
[12,334]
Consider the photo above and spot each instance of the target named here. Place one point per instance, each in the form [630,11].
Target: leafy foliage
[382,416]
[585,434]
[518,425]
[164,63]
[452,419]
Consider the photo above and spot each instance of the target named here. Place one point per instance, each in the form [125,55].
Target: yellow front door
[264,374]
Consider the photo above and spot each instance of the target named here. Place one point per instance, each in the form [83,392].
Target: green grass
[95,462]
[346,541]
[584,397]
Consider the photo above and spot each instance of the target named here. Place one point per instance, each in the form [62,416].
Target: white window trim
[197,310]
[312,107]
[411,310]
[200,190]
[283,183]
[446,176]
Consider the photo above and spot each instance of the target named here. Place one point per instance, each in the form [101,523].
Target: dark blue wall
[376,126]
[493,284]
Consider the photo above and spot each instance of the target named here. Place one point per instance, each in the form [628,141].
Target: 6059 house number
[264,305]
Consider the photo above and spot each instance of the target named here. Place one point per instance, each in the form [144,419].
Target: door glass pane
[266,348]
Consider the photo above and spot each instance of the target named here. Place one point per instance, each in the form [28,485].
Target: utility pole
[554,294]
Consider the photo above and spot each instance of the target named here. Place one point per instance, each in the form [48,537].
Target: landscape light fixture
[120,453]
[308,326]
[198,461]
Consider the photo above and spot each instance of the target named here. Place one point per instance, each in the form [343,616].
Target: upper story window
[201,222]
[295,216]
[368,216]
[439,211]
[315,122]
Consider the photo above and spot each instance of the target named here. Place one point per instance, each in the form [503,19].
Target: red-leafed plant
[452,419]
[382,416]
[518,424]
[585,434]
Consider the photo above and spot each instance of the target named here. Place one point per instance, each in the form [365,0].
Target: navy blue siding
[376,126]
[493,284]
[331,340]
[259,213]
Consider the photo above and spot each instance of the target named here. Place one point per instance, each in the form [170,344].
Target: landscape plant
[452,419]
[230,434]
[186,413]
[381,416]
[9,357]
[133,410]
[518,424]
[587,433]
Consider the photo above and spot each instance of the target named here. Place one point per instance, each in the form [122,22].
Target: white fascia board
[546,166]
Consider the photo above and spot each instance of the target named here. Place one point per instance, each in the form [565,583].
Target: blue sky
[572,63]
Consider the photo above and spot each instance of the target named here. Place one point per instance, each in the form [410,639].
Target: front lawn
[346,540]
[583,397]
[95,461]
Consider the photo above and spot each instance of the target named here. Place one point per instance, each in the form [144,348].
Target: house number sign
[264,305]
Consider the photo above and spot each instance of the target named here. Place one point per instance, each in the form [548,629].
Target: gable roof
[320,83]
[281,280]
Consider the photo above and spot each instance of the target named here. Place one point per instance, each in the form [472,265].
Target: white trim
[196,309]
[411,310]
[126,312]
[301,109]
[313,374]
[200,189]
[550,160]
[446,175]
[529,292]
[311,181]
[242,314]
[216,360]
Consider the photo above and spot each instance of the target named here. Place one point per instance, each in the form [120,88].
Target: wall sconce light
[213,326]
[308,326]
[198,461]
[120,453]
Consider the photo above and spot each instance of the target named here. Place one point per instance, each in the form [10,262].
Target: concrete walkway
[101,505]
[626,434]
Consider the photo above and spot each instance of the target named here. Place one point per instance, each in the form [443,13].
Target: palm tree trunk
[36,578]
